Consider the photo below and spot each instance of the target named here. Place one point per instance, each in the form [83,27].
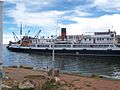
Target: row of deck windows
[90,46]
[54,46]
[99,39]
[78,46]
[62,46]
[42,45]
[104,39]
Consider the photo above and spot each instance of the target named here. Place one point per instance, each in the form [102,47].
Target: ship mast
[21,33]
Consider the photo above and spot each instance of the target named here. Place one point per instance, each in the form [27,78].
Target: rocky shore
[25,78]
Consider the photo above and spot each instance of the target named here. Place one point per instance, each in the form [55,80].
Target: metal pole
[1,39]
[53,57]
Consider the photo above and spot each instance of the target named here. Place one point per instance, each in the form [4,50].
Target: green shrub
[50,85]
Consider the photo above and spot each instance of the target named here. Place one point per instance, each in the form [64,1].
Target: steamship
[100,44]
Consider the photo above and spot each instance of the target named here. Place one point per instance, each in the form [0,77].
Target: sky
[77,16]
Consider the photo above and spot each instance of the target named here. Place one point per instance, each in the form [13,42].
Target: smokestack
[63,33]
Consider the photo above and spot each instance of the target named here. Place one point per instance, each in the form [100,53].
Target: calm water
[108,66]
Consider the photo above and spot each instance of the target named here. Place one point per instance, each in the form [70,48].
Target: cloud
[77,16]
[20,13]
[102,23]
[30,4]
[7,38]
[44,18]
[108,5]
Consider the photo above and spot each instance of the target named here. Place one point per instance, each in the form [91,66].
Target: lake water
[87,65]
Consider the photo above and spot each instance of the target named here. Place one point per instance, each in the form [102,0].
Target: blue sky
[78,16]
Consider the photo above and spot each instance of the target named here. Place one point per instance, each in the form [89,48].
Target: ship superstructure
[100,43]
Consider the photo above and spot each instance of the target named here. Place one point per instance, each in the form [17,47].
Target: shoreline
[64,72]
[67,80]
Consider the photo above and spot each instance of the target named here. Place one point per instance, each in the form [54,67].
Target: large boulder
[6,87]
[27,84]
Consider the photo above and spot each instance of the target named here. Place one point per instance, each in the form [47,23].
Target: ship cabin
[97,40]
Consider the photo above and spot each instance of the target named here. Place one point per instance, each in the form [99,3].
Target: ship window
[97,38]
[32,45]
[85,39]
[111,38]
[107,38]
[70,37]
[89,39]
[112,35]
[42,45]
[74,45]
[77,46]
[68,45]
[102,38]
[106,45]
[111,45]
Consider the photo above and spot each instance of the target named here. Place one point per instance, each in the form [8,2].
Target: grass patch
[50,85]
